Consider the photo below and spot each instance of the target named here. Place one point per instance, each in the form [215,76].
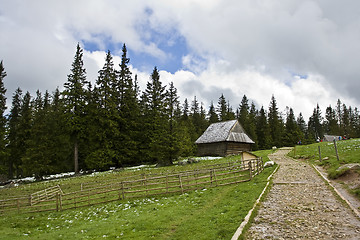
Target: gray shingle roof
[228,131]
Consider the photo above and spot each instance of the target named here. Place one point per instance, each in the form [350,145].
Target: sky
[303,52]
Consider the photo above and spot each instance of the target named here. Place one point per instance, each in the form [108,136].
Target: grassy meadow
[348,150]
[213,213]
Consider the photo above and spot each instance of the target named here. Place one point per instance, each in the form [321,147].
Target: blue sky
[303,52]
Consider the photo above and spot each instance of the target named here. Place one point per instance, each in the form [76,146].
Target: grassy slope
[349,152]
[213,213]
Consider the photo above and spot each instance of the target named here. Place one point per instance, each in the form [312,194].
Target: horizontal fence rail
[138,186]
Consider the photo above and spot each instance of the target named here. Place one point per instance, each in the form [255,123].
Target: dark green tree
[36,160]
[76,96]
[251,131]
[13,136]
[244,113]
[3,120]
[292,132]
[302,127]
[212,116]
[129,112]
[275,123]
[330,124]
[222,109]
[103,116]
[23,131]
[155,137]
[262,130]
[315,127]
[174,137]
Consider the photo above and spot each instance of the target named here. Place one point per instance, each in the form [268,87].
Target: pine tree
[244,113]
[24,131]
[13,136]
[292,133]
[154,146]
[275,123]
[315,128]
[3,121]
[222,108]
[302,128]
[330,124]
[346,128]
[103,113]
[251,131]
[174,141]
[213,117]
[262,130]
[59,142]
[75,96]
[36,160]
[129,113]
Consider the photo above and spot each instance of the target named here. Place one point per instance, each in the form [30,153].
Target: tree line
[115,124]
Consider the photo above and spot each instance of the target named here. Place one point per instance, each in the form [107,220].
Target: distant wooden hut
[222,139]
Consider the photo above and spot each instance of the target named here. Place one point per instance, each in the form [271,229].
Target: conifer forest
[116,124]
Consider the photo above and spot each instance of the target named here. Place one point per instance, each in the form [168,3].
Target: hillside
[348,152]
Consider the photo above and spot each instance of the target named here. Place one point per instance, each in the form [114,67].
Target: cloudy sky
[302,52]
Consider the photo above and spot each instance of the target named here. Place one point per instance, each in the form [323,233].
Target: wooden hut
[222,139]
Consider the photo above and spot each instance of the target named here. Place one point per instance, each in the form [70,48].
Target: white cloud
[235,47]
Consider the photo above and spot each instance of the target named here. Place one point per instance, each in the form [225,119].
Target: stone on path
[301,206]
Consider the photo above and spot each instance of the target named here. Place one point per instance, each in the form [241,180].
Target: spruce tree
[251,131]
[103,116]
[244,113]
[315,127]
[212,116]
[222,108]
[275,123]
[75,96]
[129,113]
[59,141]
[3,120]
[330,124]
[24,131]
[36,160]
[174,140]
[292,131]
[302,128]
[155,146]
[262,130]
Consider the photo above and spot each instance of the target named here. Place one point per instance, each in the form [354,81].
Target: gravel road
[301,206]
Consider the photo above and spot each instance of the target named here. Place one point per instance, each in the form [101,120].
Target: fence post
[18,205]
[215,177]
[319,153]
[122,188]
[60,202]
[182,190]
[167,183]
[211,177]
[250,170]
[57,202]
[337,154]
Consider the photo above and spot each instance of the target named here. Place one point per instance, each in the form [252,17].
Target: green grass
[348,150]
[213,213]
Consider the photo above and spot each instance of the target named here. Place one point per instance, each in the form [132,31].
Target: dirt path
[301,206]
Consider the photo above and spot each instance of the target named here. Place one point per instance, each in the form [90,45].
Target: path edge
[240,229]
[357,213]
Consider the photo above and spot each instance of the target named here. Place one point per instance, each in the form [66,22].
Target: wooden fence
[54,199]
